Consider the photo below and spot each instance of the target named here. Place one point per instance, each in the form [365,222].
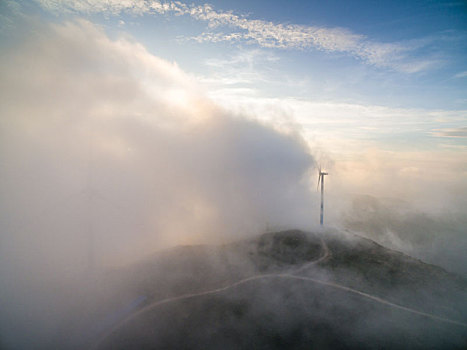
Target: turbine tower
[321,179]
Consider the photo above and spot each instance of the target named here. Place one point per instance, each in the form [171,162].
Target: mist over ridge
[104,143]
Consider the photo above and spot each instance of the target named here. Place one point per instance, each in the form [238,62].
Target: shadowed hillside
[290,289]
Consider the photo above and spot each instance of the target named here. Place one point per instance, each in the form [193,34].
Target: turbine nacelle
[320,174]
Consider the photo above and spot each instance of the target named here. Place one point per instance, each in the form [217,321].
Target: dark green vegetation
[277,312]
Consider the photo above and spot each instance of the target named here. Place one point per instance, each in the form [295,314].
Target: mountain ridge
[364,272]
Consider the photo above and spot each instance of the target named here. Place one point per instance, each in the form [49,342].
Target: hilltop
[290,289]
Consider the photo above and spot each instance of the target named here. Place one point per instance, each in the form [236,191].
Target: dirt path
[373,298]
[326,254]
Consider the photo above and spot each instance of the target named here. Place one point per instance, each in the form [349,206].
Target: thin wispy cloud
[230,27]
[454,132]
[461,74]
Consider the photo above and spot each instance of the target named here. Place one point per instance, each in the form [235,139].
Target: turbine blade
[319,179]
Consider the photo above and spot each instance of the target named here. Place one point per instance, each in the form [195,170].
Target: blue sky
[357,79]
[401,54]
[393,53]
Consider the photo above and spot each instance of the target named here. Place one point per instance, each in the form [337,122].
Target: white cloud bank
[100,138]
[74,101]
[228,26]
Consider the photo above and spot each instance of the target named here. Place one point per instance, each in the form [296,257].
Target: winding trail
[374,298]
[326,254]
[291,275]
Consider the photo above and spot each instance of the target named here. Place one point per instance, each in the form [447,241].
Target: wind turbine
[321,179]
